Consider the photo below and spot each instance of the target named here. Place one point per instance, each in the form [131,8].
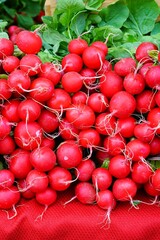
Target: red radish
[69,154]
[154,119]
[10,110]
[115,144]
[145,101]
[84,170]
[43,159]
[125,66]
[155,180]
[71,82]
[119,166]
[5,127]
[157,98]
[105,123]
[72,62]
[144,132]
[122,104]
[143,50]
[155,146]
[85,193]
[48,121]
[6,178]
[29,42]
[89,138]
[22,187]
[91,53]
[5,91]
[137,150]
[6,48]
[37,181]
[150,190]
[48,142]
[47,197]
[50,71]
[59,178]
[141,172]
[41,89]
[19,81]
[124,189]
[102,156]
[10,63]
[81,115]
[106,66]
[60,100]
[144,68]
[110,83]
[29,110]
[98,102]
[28,136]
[12,29]
[134,83]
[101,45]
[67,130]
[101,178]
[106,200]
[7,145]
[19,163]
[88,75]
[9,197]
[31,64]
[77,46]
[125,126]
[152,77]
[79,97]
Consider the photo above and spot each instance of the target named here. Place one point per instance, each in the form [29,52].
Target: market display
[80,107]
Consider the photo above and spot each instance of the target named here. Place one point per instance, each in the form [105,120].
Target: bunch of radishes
[84,120]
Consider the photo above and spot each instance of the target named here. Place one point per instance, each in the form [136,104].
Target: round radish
[106,200]
[89,138]
[6,48]
[125,126]
[6,178]
[84,170]
[142,51]
[115,144]
[77,46]
[47,197]
[71,82]
[137,150]
[25,192]
[88,75]
[9,197]
[153,77]
[157,98]
[48,121]
[85,193]
[31,64]
[7,145]
[155,146]
[10,63]
[105,123]
[154,117]
[144,132]
[98,102]
[5,91]
[134,83]
[101,178]
[141,172]
[37,181]
[72,62]
[150,190]
[67,130]
[125,66]
[145,101]
[79,97]
[119,166]
[101,45]
[10,110]
[95,53]
[155,180]
[5,127]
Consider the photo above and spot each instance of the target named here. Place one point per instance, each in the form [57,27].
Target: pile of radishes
[85,122]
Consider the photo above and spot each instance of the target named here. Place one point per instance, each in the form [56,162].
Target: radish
[150,190]
[134,83]
[36,181]
[31,64]
[71,82]
[155,180]
[6,48]
[43,159]
[143,50]
[29,110]
[19,81]
[29,42]
[88,76]
[89,138]
[7,145]
[5,127]
[5,91]
[101,178]
[145,101]
[144,68]
[157,98]
[50,71]
[90,53]
[141,172]
[28,136]
[98,102]
[41,89]
[101,45]
[106,66]
[19,163]
[77,46]
[59,178]
[6,178]
[67,130]
[119,166]
[10,63]
[25,192]
[84,170]
[122,104]
[110,83]
[79,97]
[155,146]
[125,126]
[69,154]
[152,77]
[72,62]
[105,123]
[115,144]
[48,142]
[81,115]
[144,132]
[154,117]
[85,193]
[48,121]
[10,110]
[125,66]
[124,189]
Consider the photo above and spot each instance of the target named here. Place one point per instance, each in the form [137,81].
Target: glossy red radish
[101,178]
[91,53]
[36,181]
[71,82]
[77,46]
[72,62]
[48,121]
[98,102]
[10,63]
[31,64]
[125,66]
[141,172]
[6,47]
[84,170]
[7,178]
[119,166]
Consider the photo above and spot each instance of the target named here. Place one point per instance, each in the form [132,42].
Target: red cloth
[76,221]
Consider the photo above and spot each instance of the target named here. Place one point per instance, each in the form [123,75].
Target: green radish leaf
[4,35]
[93,4]
[156,29]
[53,37]
[25,21]
[78,23]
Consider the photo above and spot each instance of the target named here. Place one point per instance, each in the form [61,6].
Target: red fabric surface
[78,221]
